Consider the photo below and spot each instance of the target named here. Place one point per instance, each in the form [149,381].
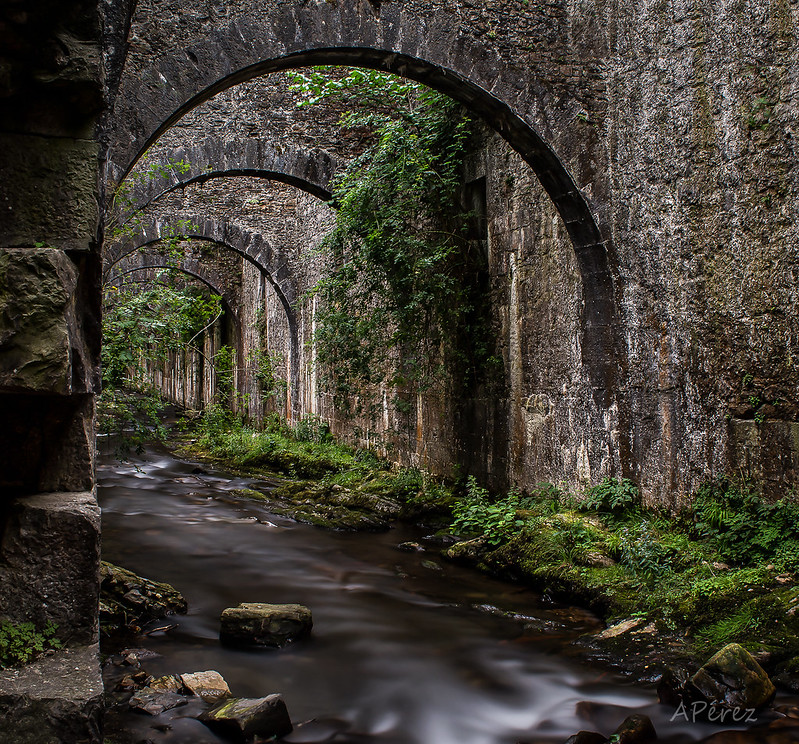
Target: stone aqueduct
[638,172]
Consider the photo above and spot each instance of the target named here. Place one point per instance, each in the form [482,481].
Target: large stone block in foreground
[47,344]
[50,563]
[55,700]
[259,624]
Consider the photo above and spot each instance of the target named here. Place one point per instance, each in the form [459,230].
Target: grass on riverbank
[332,485]
[724,572]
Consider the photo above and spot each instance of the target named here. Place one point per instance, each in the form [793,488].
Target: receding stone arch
[409,40]
[273,263]
[308,170]
[142,261]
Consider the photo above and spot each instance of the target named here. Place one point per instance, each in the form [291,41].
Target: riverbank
[673,588]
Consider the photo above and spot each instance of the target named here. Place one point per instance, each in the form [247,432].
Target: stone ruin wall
[706,262]
[677,121]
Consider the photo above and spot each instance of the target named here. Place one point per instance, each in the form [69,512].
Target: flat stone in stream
[155,702]
[245,718]
[209,685]
[259,624]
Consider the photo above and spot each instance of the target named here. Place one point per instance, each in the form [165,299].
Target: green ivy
[404,299]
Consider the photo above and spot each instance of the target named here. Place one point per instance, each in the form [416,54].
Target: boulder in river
[260,624]
[209,685]
[635,729]
[244,718]
[587,737]
[734,679]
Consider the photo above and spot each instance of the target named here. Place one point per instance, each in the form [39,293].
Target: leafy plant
[477,515]
[643,553]
[311,428]
[743,527]
[21,643]
[613,496]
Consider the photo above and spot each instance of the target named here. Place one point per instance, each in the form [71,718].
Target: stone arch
[271,262]
[311,171]
[141,261]
[432,48]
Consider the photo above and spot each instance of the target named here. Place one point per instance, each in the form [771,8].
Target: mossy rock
[128,600]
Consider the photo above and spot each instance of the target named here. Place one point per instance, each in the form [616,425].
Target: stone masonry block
[55,700]
[50,563]
[42,344]
[48,192]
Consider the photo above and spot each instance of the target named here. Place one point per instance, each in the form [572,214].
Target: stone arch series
[646,290]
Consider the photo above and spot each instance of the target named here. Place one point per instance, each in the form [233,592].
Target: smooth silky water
[406,648]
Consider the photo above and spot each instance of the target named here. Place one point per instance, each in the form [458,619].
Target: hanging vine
[402,302]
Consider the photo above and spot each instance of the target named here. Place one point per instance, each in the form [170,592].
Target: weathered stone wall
[52,94]
[665,352]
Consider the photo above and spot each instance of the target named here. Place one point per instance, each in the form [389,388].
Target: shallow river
[406,648]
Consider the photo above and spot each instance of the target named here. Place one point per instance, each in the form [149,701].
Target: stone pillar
[52,94]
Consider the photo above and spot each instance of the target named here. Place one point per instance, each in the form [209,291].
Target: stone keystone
[257,624]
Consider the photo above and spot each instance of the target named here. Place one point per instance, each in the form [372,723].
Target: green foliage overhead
[151,321]
[21,643]
[403,299]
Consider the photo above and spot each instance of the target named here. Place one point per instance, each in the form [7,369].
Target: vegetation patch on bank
[328,484]
[723,572]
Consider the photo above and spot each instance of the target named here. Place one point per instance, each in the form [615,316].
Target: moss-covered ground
[324,483]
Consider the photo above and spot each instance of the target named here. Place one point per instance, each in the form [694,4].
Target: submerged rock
[586,737]
[129,600]
[410,547]
[259,624]
[245,718]
[734,679]
[635,729]
[154,702]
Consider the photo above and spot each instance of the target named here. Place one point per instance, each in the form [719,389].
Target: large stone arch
[311,171]
[424,45]
[401,41]
[273,263]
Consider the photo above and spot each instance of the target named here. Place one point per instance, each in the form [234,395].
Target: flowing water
[406,648]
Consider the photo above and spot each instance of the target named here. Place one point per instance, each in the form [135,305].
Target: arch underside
[311,171]
[430,51]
